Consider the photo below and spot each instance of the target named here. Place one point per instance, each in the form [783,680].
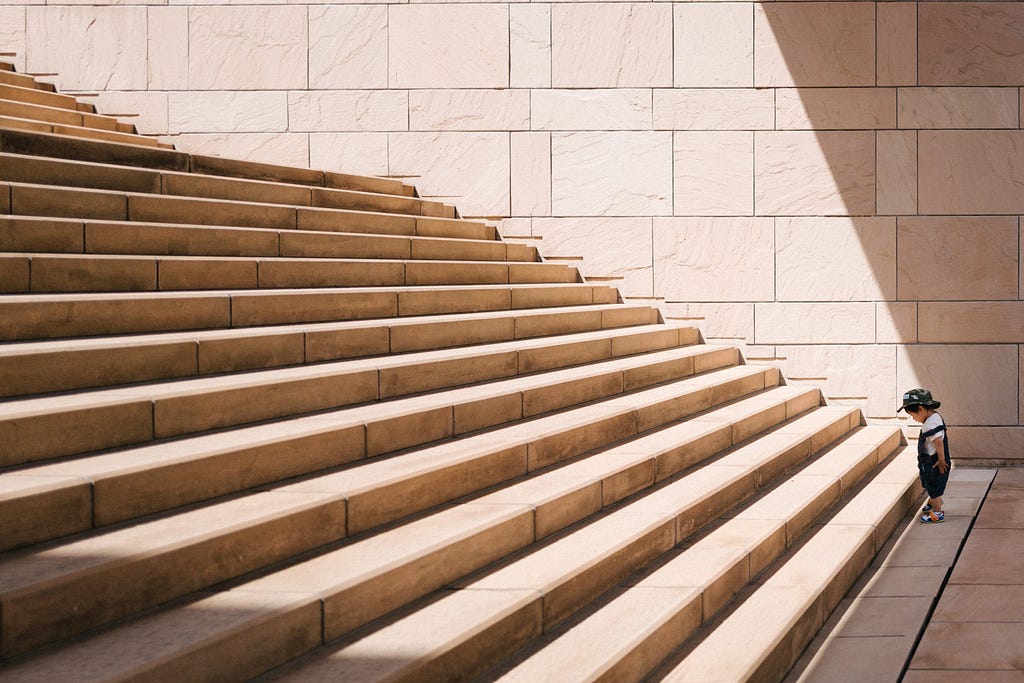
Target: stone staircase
[261,421]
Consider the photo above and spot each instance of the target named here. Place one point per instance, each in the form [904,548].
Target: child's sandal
[927,507]
[933,518]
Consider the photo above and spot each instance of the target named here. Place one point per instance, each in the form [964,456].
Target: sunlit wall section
[836,186]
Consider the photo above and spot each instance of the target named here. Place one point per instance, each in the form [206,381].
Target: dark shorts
[932,481]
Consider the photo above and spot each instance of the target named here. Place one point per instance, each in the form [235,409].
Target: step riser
[31,620]
[44,274]
[52,319]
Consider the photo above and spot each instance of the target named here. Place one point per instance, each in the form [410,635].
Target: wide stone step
[188,406]
[767,631]
[49,273]
[10,77]
[625,639]
[491,616]
[54,592]
[129,154]
[369,578]
[48,501]
[50,366]
[62,172]
[65,130]
[29,94]
[65,235]
[64,202]
[55,115]
[50,316]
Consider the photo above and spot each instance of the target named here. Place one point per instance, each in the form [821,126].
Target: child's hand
[941,464]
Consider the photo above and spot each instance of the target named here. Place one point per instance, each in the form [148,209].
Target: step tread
[11,91]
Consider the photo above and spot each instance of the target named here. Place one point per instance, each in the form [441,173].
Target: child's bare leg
[936,504]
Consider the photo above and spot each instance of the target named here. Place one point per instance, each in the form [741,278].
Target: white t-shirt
[933,421]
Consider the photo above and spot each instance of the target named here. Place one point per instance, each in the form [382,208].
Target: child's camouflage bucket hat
[919,397]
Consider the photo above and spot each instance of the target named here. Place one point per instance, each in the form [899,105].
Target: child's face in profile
[916,413]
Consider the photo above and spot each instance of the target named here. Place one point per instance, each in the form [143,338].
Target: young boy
[932,451]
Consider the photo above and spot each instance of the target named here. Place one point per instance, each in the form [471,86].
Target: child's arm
[940,450]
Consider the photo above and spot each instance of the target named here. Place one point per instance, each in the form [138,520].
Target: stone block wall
[837,186]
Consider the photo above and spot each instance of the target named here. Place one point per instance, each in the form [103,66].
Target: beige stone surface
[971,171]
[274,148]
[167,48]
[611,247]
[896,43]
[714,109]
[813,173]
[832,108]
[529,45]
[896,172]
[734,321]
[605,109]
[12,35]
[348,110]
[530,174]
[146,110]
[713,173]
[88,47]
[972,646]
[976,256]
[227,112]
[835,259]
[977,321]
[977,384]
[850,372]
[713,45]
[896,322]
[468,110]
[959,108]
[970,43]
[247,48]
[438,52]
[349,152]
[611,174]
[611,45]
[822,323]
[714,259]
[470,168]
[814,44]
[348,46]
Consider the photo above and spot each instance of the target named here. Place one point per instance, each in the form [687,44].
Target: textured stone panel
[448,46]
[814,323]
[618,109]
[471,169]
[531,174]
[469,110]
[1003,444]
[971,322]
[291,149]
[714,259]
[168,48]
[959,108]
[365,153]
[144,109]
[828,108]
[348,46]
[814,44]
[714,109]
[896,176]
[348,110]
[227,112]
[611,45]
[89,48]
[809,173]
[896,322]
[610,247]
[958,258]
[723,321]
[862,372]
[897,43]
[835,259]
[971,171]
[714,45]
[12,35]
[971,43]
[612,174]
[247,48]
[714,173]
[977,385]
[530,46]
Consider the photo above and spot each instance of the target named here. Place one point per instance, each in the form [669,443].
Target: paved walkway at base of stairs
[948,598]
